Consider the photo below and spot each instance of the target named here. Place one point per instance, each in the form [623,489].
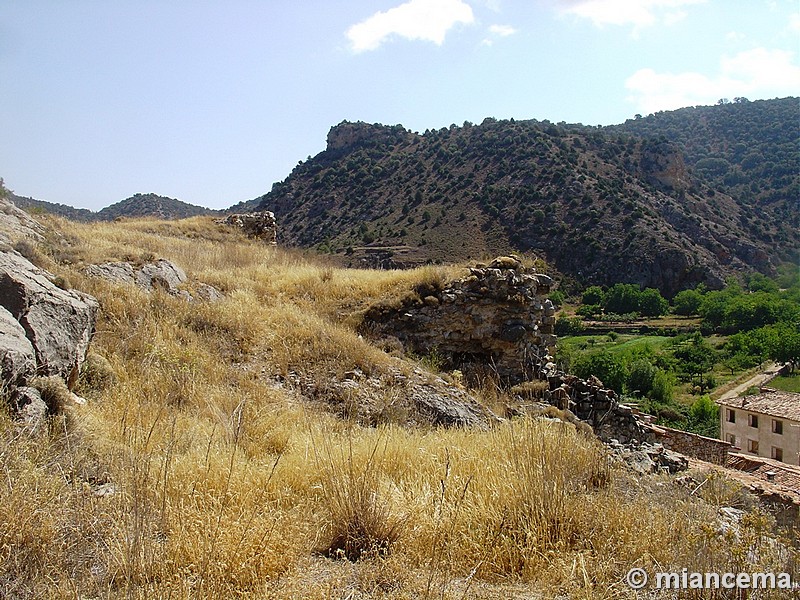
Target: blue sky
[213,102]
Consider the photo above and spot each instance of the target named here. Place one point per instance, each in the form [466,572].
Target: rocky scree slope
[601,207]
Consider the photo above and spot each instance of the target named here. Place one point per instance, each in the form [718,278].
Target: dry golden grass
[194,473]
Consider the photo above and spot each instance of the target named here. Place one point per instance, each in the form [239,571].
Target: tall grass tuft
[361,514]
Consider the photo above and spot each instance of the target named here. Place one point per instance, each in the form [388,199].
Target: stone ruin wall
[259,225]
[496,321]
[590,401]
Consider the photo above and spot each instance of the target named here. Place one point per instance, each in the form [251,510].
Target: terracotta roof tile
[785,475]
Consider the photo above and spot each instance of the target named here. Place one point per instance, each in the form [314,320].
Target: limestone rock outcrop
[17,358]
[259,225]
[161,274]
[495,321]
[58,323]
[16,224]
[116,272]
[44,330]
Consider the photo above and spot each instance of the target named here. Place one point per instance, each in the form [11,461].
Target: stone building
[765,424]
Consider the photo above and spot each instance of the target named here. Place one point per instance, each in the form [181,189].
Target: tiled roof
[783,474]
[785,405]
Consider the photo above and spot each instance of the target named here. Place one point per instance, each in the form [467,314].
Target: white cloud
[759,73]
[794,23]
[735,36]
[638,13]
[498,31]
[428,20]
[502,30]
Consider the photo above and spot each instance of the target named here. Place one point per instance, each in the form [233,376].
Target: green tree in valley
[687,302]
[607,367]
[622,298]
[652,303]
[641,374]
[704,417]
[695,357]
[593,295]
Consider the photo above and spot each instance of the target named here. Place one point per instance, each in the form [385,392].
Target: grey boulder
[17,357]
[161,274]
[58,323]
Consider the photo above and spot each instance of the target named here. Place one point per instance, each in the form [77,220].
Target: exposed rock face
[662,163]
[347,135]
[496,321]
[116,272]
[163,275]
[260,225]
[58,323]
[16,224]
[17,358]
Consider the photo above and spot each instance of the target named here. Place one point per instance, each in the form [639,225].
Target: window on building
[752,420]
[752,446]
[731,439]
[777,453]
[777,426]
[731,415]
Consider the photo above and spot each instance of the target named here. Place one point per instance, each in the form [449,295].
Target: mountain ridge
[138,205]
[668,200]
[600,205]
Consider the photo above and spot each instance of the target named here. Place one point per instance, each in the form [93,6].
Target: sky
[213,102]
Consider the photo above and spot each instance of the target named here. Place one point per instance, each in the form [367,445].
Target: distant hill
[137,206]
[749,150]
[32,205]
[152,205]
[600,205]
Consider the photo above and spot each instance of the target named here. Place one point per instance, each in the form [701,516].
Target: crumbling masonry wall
[496,321]
[259,225]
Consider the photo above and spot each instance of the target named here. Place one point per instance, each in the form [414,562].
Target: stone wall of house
[497,321]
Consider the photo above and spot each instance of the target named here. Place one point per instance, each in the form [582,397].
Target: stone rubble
[396,396]
[592,402]
[645,458]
